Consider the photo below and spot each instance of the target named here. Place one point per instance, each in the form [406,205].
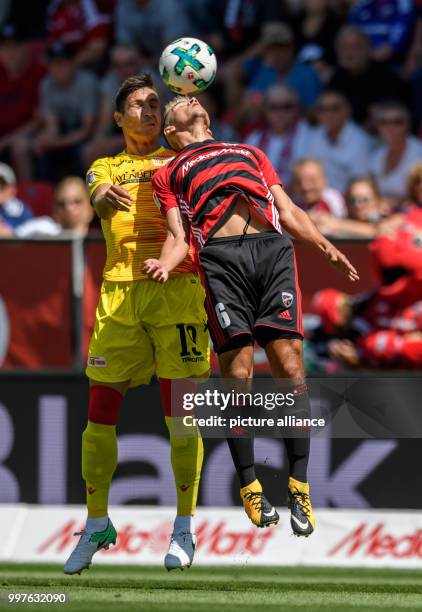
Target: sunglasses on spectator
[391,121]
[281,106]
[330,108]
[354,201]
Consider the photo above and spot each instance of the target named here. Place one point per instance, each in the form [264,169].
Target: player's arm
[108,199]
[174,250]
[300,226]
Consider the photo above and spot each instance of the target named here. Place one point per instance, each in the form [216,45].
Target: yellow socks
[99,461]
[186,459]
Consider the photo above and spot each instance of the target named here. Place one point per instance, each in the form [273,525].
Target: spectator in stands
[276,63]
[125,60]
[414,187]
[13,212]
[316,24]
[388,24]
[231,25]
[72,213]
[69,99]
[310,190]
[151,23]
[365,209]
[82,24]
[20,76]
[392,161]
[284,139]
[360,80]
[342,147]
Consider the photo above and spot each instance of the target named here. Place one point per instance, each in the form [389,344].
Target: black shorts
[252,289]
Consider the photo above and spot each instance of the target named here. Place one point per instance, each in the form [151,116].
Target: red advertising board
[36,317]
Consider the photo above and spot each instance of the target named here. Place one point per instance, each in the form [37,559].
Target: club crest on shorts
[287,298]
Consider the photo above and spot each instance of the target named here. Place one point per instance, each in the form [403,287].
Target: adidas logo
[285,314]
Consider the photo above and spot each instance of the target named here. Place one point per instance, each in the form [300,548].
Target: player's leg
[99,461]
[286,360]
[176,324]
[232,301]
[186,454]
[118,346]
[237,364]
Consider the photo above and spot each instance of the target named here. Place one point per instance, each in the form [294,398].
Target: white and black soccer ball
[188,66]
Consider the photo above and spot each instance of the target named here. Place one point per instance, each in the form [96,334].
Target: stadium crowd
[330,90]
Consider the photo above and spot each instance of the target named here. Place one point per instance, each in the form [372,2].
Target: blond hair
[169,107]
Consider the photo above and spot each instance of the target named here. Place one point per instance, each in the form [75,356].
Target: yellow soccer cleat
[257,506]
[302,518]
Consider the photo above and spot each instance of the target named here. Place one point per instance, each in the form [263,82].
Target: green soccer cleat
[89,543]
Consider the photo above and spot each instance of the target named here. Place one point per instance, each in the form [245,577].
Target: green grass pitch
[216,589]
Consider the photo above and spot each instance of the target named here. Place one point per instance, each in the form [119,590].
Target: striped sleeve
[270,175]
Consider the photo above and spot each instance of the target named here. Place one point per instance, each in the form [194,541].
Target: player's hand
[344,351]
[340,261]
[118,198]
[156,270]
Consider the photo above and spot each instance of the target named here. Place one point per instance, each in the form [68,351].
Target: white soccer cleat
[181,550]
[89,543]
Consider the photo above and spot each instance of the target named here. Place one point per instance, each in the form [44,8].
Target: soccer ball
[188,66]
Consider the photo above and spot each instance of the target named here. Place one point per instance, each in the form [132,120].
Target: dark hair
[130,85]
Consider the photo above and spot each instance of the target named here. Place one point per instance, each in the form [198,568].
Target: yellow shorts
[144,328]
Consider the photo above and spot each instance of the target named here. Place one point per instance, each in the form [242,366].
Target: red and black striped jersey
[204,179]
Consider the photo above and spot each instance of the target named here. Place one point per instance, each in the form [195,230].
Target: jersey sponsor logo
[214,153]
[287,298]
[285,314]
[134,176]
[96,362]
[90,178]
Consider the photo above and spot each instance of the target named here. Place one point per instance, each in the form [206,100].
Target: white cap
[7,174]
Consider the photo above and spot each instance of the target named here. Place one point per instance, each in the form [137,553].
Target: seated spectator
[311,191]
[382,328]
[13,212]
[412,205]
[342,147]
[284,140]
[414,188]
[81,23]
[72,213]
[69,98]
[389,26]
[151,23]
[317,24]
[365,208]
[20,76]
[125,61]
[276,63]
[358,78]
[392,161]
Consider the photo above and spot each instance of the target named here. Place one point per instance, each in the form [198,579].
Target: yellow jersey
[136,235]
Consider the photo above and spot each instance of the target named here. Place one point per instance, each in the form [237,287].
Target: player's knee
[293,362]
[241,371]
